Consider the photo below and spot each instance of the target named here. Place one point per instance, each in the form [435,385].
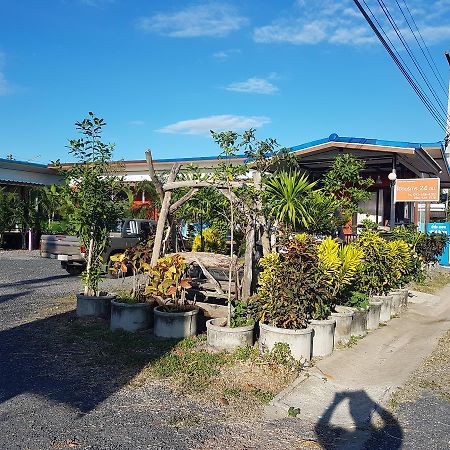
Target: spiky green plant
[284,192]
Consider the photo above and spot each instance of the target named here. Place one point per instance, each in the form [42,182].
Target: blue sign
[443,227]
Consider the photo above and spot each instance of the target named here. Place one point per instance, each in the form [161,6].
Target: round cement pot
[93,306]
[299,341]
[323,337]
[130,316]
[228,338]
[404,298]
[397,298]
[385,313]
[373,315]
[175,325]
[359,322]
[343,317]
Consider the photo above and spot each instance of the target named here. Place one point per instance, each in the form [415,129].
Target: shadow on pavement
[8,297]
[35,281]
[67,360]
[374,427]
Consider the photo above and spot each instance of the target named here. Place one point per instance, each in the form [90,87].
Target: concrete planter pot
[175,325]
[323,337]
[228,338]
[404,297]
[385,313]
[359,322]
[299,341]
[373,315]
[343,317]
[397,298]
[131,316]
[93,306]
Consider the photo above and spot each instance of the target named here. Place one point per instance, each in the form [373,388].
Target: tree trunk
[87,288]
[248,261]
[159,235]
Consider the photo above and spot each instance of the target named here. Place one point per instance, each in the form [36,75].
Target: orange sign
[417,190]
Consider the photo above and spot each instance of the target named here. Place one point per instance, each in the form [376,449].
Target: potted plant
[339,265]
[376,275]
[240,333]
[290,292]
[93,188]
[174,317]
[132,311]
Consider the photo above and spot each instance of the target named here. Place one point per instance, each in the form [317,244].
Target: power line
[410,78]
[397,30]
[433,66]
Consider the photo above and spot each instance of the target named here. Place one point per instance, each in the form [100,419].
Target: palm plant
[284,192]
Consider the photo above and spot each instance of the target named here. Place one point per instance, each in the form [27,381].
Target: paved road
[53,397]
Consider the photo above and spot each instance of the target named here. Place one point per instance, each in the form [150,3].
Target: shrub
[292,289]
[213,241]
[339,264]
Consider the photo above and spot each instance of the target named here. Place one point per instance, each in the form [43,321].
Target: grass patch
[433,283]
[243,377]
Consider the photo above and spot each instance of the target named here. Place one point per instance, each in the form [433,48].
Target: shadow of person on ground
[374,427]
[72,361]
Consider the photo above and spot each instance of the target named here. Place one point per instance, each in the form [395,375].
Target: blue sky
[164,72]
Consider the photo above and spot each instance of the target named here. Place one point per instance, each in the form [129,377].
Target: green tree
[345,182]
[7,212]
[94,188]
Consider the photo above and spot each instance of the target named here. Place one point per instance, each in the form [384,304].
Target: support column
[394,170]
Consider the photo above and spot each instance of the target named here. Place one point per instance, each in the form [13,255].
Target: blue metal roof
[358,140]
[25,163]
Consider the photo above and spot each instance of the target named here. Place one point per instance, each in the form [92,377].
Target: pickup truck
[69,251]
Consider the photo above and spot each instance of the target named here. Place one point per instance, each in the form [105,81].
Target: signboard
[443,227]
[417,190]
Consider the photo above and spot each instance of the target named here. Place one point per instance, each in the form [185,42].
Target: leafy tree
[7,209]
[345,182]
[94,189]
[322,211]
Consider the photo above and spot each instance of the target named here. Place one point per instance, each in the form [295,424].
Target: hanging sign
[417,190]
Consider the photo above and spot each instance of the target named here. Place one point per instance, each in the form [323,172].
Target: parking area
[55,392]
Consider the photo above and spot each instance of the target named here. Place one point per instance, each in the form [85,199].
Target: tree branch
[171,185]
[153,176]
[180,202]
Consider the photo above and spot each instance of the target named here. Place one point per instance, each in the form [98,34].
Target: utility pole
[447,134]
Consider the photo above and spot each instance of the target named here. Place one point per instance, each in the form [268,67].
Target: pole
[394,170]
[447,134]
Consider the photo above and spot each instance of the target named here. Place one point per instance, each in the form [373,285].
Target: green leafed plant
[283,193]
[94,190]
[339,264]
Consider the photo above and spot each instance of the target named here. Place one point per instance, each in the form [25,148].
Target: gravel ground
[57,394]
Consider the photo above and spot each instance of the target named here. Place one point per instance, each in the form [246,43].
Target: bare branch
[180,202]
[153,176]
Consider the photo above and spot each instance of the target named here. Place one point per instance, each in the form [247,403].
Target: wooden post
[248,260]
[165,206]
[265,241]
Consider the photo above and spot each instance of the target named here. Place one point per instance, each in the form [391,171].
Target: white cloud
[136,123]
[210,19]
[223,55]
[253,86]
[340,22]
[218,123]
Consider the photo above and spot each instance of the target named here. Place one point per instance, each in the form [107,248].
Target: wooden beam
[171,185]
[209,277]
